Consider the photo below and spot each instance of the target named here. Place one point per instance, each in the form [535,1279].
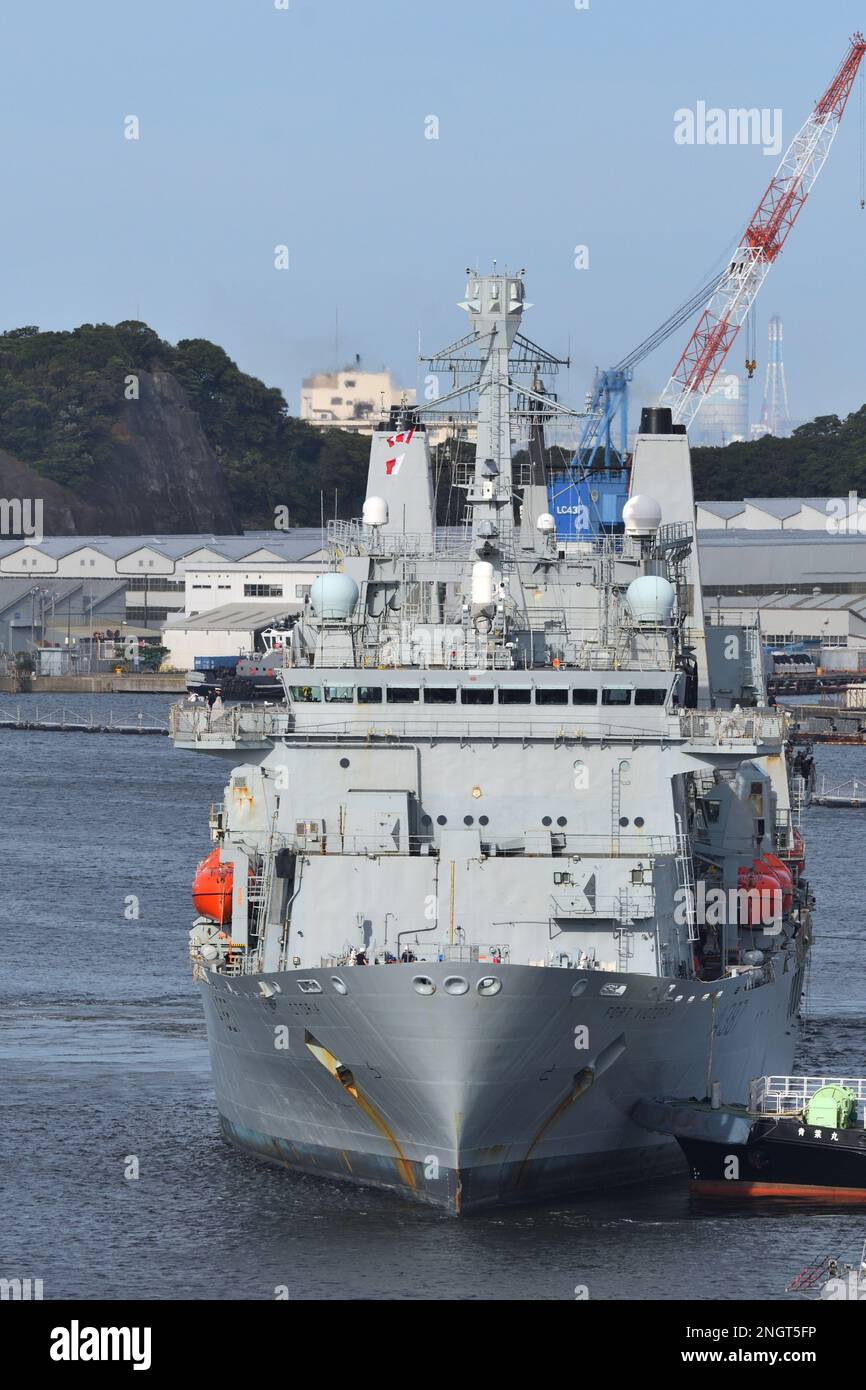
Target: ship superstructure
[471,896]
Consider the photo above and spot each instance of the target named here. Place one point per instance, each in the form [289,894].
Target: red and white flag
[392,465]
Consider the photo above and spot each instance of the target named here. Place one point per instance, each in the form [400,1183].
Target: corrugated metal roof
[723,509]
[233,617]
[15,591]
[781,507]
[288,545]
[716,536]
[854,603]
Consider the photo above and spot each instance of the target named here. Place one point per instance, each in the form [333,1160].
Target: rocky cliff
[162,474]
[119,431]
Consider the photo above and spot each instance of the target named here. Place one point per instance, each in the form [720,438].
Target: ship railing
[235,966]
[726,727]
[453,952]
[236,724]
[782,831]
[546,842]
[248,722]
[799,798]
[354,538]
[789,1095]
[623,909]
[577,960]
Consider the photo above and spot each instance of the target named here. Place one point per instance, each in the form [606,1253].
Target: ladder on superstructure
[686,878]
[624,933]
[615,805]
[260,889]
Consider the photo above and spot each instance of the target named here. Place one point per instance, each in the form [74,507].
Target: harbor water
[116,1181]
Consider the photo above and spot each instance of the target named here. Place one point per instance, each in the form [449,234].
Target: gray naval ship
[455,924]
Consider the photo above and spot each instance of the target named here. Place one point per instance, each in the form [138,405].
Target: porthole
[488,984]
[455,984]
[546,820]
[623,820]
[339,985]
[561,820]
[344,762]
[639,822]
[468,820]
[426,820]
[423,984]
[483,820]
[441,820]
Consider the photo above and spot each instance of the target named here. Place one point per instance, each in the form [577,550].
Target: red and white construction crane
[734,293]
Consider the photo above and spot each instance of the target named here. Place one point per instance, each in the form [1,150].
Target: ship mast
[494,304]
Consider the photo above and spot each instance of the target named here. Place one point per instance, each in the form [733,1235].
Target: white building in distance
[350,399]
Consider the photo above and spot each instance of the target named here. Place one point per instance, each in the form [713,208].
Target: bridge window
[511,695]
[584,697]
[338,694]
[369,694]
[403,695]
[477,695]
[305,694]
[650,697]
[440,695]
[551,697]
[616,695]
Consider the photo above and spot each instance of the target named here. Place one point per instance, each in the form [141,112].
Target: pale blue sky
[306,127]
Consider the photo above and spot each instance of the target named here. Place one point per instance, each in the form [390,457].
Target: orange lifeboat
[786,878]
[212,888]
[762,879]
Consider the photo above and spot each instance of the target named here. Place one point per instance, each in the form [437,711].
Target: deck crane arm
[736,290]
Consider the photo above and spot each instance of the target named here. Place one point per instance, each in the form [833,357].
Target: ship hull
[781,1158]
[466,1101]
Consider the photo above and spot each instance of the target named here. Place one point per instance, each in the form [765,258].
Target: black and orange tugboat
[799,1136]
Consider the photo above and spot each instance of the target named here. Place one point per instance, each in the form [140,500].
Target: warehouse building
[228,631]
[155,570]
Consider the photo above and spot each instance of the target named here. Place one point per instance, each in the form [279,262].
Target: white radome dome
[651,599]
[375,512]
[641,515]
[333,595]
[546,523]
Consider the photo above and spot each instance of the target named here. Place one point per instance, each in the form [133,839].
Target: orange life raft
[212,888]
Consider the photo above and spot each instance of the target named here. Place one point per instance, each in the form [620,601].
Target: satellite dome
[651,599]
[641,516]
[546,523]
[333,595]
[375,512]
